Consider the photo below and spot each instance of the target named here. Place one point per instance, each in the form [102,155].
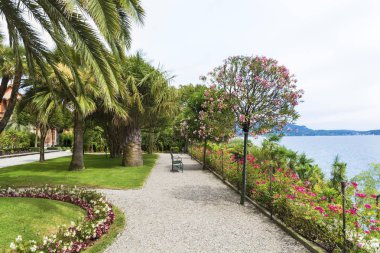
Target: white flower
[33,248]
[19,238]
[12,246]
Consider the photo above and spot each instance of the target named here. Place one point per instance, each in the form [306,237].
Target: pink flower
[288,196]
[361,195]
[368,206]
[373,196]
[300,189]
[354,184]
[367,232]
[357,225]
[352,211]
[295,176]
[242,118]
[320,209]
[333,208]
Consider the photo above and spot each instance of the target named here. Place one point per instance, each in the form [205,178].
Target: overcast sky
[333,47]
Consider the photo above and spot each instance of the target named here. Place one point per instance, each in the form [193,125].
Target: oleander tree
[207,117]
[261,93]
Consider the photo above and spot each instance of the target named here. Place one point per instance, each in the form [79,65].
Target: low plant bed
[78,235]
[310,210]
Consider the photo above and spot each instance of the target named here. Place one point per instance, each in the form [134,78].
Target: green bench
[176,163]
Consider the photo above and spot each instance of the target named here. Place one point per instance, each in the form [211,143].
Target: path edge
[305,242]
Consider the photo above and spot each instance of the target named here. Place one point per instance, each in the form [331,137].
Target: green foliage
[338,173]
[299,196]
[94,140]
[207,117]
[66,139]
[13,139]
[369,180]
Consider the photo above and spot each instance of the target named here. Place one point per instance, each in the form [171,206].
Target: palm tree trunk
[43,133]
[36,138]
[114,137]
[13,99]
[132,153]
[77,160]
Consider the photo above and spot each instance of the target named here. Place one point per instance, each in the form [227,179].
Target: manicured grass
[100,172]
[106,240]
[34,218]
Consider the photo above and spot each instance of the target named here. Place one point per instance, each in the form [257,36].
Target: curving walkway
[11,161]
[193,212]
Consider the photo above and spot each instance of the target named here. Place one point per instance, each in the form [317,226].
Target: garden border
[313,247]
[76,237]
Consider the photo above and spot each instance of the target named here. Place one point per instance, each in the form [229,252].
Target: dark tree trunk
[150,143]
[13,99]
[132,153]
[36,138]
[77,160]
[4,85]
[43,133]
[114,139]
[204,154]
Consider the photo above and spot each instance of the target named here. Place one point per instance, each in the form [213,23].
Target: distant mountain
[296,130]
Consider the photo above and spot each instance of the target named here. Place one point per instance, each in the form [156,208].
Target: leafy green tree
[89,27]
[151,99]
[338,173]
[261,93]
[369,179]
[206,117]
[42,112]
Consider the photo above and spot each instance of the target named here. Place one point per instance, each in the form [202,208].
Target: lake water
[357,151]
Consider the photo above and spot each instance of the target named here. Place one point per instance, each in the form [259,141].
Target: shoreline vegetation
[300,195]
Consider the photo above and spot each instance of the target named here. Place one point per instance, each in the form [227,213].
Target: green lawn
[100,172]
[34,218]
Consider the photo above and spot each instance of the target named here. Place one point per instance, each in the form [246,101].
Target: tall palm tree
[150,98]
[66,23]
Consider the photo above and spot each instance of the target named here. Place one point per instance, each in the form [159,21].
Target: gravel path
[192,212]
[5,162]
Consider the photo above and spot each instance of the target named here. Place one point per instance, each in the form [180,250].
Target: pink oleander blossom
[361,195]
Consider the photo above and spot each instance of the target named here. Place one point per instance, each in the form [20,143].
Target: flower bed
[75,237]
[313,210]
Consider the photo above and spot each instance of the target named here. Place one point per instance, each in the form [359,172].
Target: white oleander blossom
[12,246]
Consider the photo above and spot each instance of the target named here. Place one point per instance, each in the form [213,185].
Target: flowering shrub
[312,209]
[75,237]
